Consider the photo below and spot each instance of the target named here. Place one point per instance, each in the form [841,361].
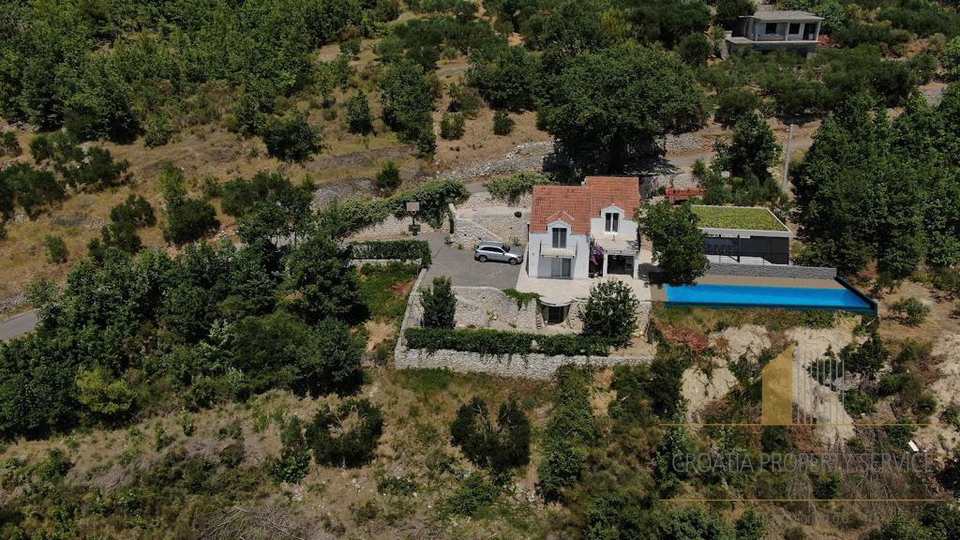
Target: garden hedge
[487,341]
[401,250]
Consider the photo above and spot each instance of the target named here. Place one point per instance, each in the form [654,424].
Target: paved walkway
[18,325]
[564,291]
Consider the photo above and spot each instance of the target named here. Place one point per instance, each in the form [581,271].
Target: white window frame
[611,222]
[561,233]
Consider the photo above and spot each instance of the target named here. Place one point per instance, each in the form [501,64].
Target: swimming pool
[742,296]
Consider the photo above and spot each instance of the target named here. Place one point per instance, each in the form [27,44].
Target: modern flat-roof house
[569,224]
[743,235]
[775,31]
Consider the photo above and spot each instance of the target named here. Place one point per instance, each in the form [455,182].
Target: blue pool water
[775,297]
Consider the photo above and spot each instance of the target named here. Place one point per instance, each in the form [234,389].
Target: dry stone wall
[487,307]
[779,271]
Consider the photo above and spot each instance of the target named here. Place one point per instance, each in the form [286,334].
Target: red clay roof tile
[575,205]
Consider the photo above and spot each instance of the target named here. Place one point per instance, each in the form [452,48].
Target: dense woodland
[134,335]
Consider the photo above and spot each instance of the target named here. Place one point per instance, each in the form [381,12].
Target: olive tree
[611,312]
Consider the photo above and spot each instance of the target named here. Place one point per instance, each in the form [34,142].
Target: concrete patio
[561,292]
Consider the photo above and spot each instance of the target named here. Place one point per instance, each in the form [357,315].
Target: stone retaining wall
[797,272]
[482,307]
[487,307]
[382,262]
[495,224]
[532,366]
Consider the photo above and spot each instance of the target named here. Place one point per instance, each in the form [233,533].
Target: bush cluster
[355,215]
[570,430]
[498,447]
[511,188]
[487,341]
[403,250]
[346,435]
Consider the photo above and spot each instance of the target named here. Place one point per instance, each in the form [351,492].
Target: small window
[612,222]
[559,238]
[771,28]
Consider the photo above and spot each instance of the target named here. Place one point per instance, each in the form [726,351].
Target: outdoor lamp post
[413,207]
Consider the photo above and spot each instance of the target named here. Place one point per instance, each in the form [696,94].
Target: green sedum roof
[737,217]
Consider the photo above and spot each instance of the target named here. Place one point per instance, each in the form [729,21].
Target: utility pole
[786,159]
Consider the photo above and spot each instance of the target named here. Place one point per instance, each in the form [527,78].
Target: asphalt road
[18,325]
[459,265]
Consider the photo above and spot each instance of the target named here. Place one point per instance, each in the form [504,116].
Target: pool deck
[659,294]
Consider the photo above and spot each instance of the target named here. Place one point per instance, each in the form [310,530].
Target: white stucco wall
[540,266]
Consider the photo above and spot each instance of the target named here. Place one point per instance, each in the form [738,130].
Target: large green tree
[324,283]
[610,107]
[678,244]
[870,189]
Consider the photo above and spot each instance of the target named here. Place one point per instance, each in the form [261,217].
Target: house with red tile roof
[568,224]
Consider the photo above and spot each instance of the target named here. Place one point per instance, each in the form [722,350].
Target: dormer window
[611,222]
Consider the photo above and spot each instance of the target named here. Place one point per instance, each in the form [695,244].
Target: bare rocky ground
[701,387]
[944,439]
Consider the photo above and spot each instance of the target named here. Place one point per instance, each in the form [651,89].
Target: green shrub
[56,249]
[9,144]
[104,396]
[135,213]
[569,432]
[189,220]
[464,100]
[291,138]
[293,464]
[695,49]
[407,100]
[499,447]
[346,436]
[388,178]
[858,402]
[950,59]
[610,312]
[911,311]
[750,526]
[868,358]
[473,495]
[355,215]
[487,341]
[359,119]
[735,103]
[502,123]
[231,455]
[729,10]
[3,229]
[511,188]
[402,250]
[901,432]
[33,190]
[439,304]
[157,131]
[452,126]
[94,169]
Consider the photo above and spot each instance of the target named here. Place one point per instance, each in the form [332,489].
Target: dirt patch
[939,322]
[943,437]
[741,340]
[378,333]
